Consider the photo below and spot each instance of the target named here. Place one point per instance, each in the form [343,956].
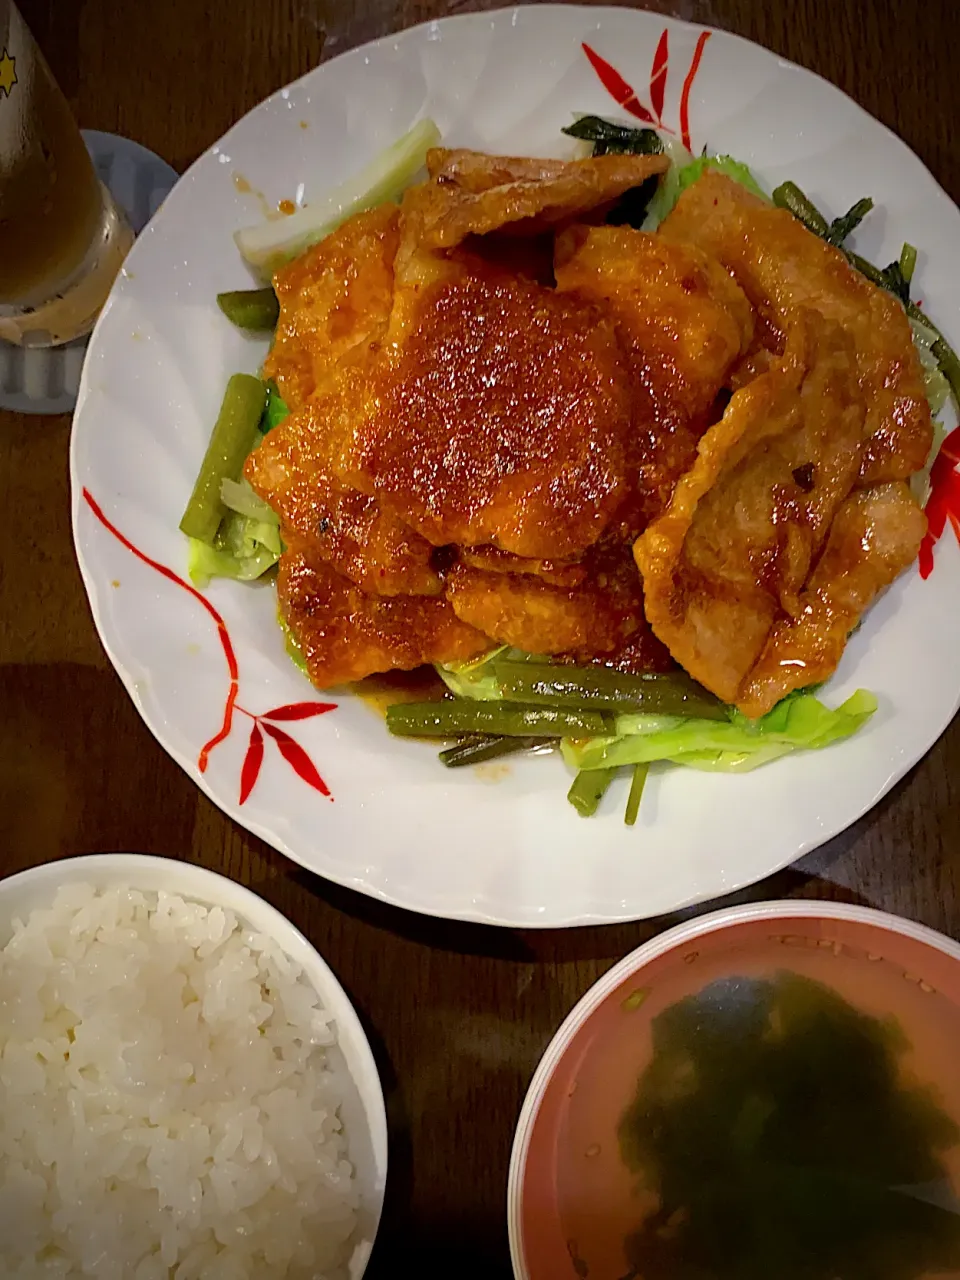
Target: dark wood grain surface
[458,1015]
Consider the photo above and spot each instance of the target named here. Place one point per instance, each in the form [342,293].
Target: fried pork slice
[586,621]
[735,547]
[471,192]
[683,323]
[781,266]
[497,412]
[875,535]
[345,634]
[559,573]
[680,317]
[334,297]
[293,471]
[334,300]
[641,652]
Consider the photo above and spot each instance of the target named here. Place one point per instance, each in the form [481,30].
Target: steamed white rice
[166,1104]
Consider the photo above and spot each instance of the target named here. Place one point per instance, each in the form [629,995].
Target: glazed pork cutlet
[334,301]
[682,323]
[592,619]
[558,573]
[332,298]
[875,535]
[499,413]
[763,561]
[781,266]
[472,193]
[467,406]
[294,470]
[344,634]
[795,513]
[500,409]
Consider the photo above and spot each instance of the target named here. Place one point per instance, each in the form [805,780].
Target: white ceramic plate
[396,825]
[362,1112]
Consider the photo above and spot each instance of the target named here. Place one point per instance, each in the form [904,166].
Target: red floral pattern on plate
[944,501]
[626,97]
[264,723]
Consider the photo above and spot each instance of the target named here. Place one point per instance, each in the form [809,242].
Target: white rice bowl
[167,1107]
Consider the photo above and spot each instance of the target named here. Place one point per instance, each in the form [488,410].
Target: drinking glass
[62,237]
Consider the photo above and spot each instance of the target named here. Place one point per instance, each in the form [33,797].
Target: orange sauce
[384,691]
[287,207]
[246,188]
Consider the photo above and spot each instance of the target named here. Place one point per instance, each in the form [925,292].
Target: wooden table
[458,1014]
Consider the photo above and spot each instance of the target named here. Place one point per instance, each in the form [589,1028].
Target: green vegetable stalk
[250,308]
[454,717]
[588,789]
[637,784]
[269,245]
[234,434]
[601,689]
[477,748]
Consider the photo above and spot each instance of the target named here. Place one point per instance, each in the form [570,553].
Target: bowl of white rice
[186,1092]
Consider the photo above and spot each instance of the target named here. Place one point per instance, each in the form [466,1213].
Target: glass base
[34,376]
[73,312]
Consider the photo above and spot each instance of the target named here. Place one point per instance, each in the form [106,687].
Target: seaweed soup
[767,1113]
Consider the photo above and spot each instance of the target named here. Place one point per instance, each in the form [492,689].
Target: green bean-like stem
[454,717]
[949,365]
[873,274]
[908,262]
[947,358]
[480,747]
[844,226]
[234,434]
[896,283]
[640,772]
[602,689]
[588,789]
[789,196]
[250,308]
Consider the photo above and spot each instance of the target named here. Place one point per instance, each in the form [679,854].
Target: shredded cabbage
[734,169]
[238,495]
[798,722]
[938,392]
[479,685]
[244,549]
[936,385]
[474,679]
[668,192]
